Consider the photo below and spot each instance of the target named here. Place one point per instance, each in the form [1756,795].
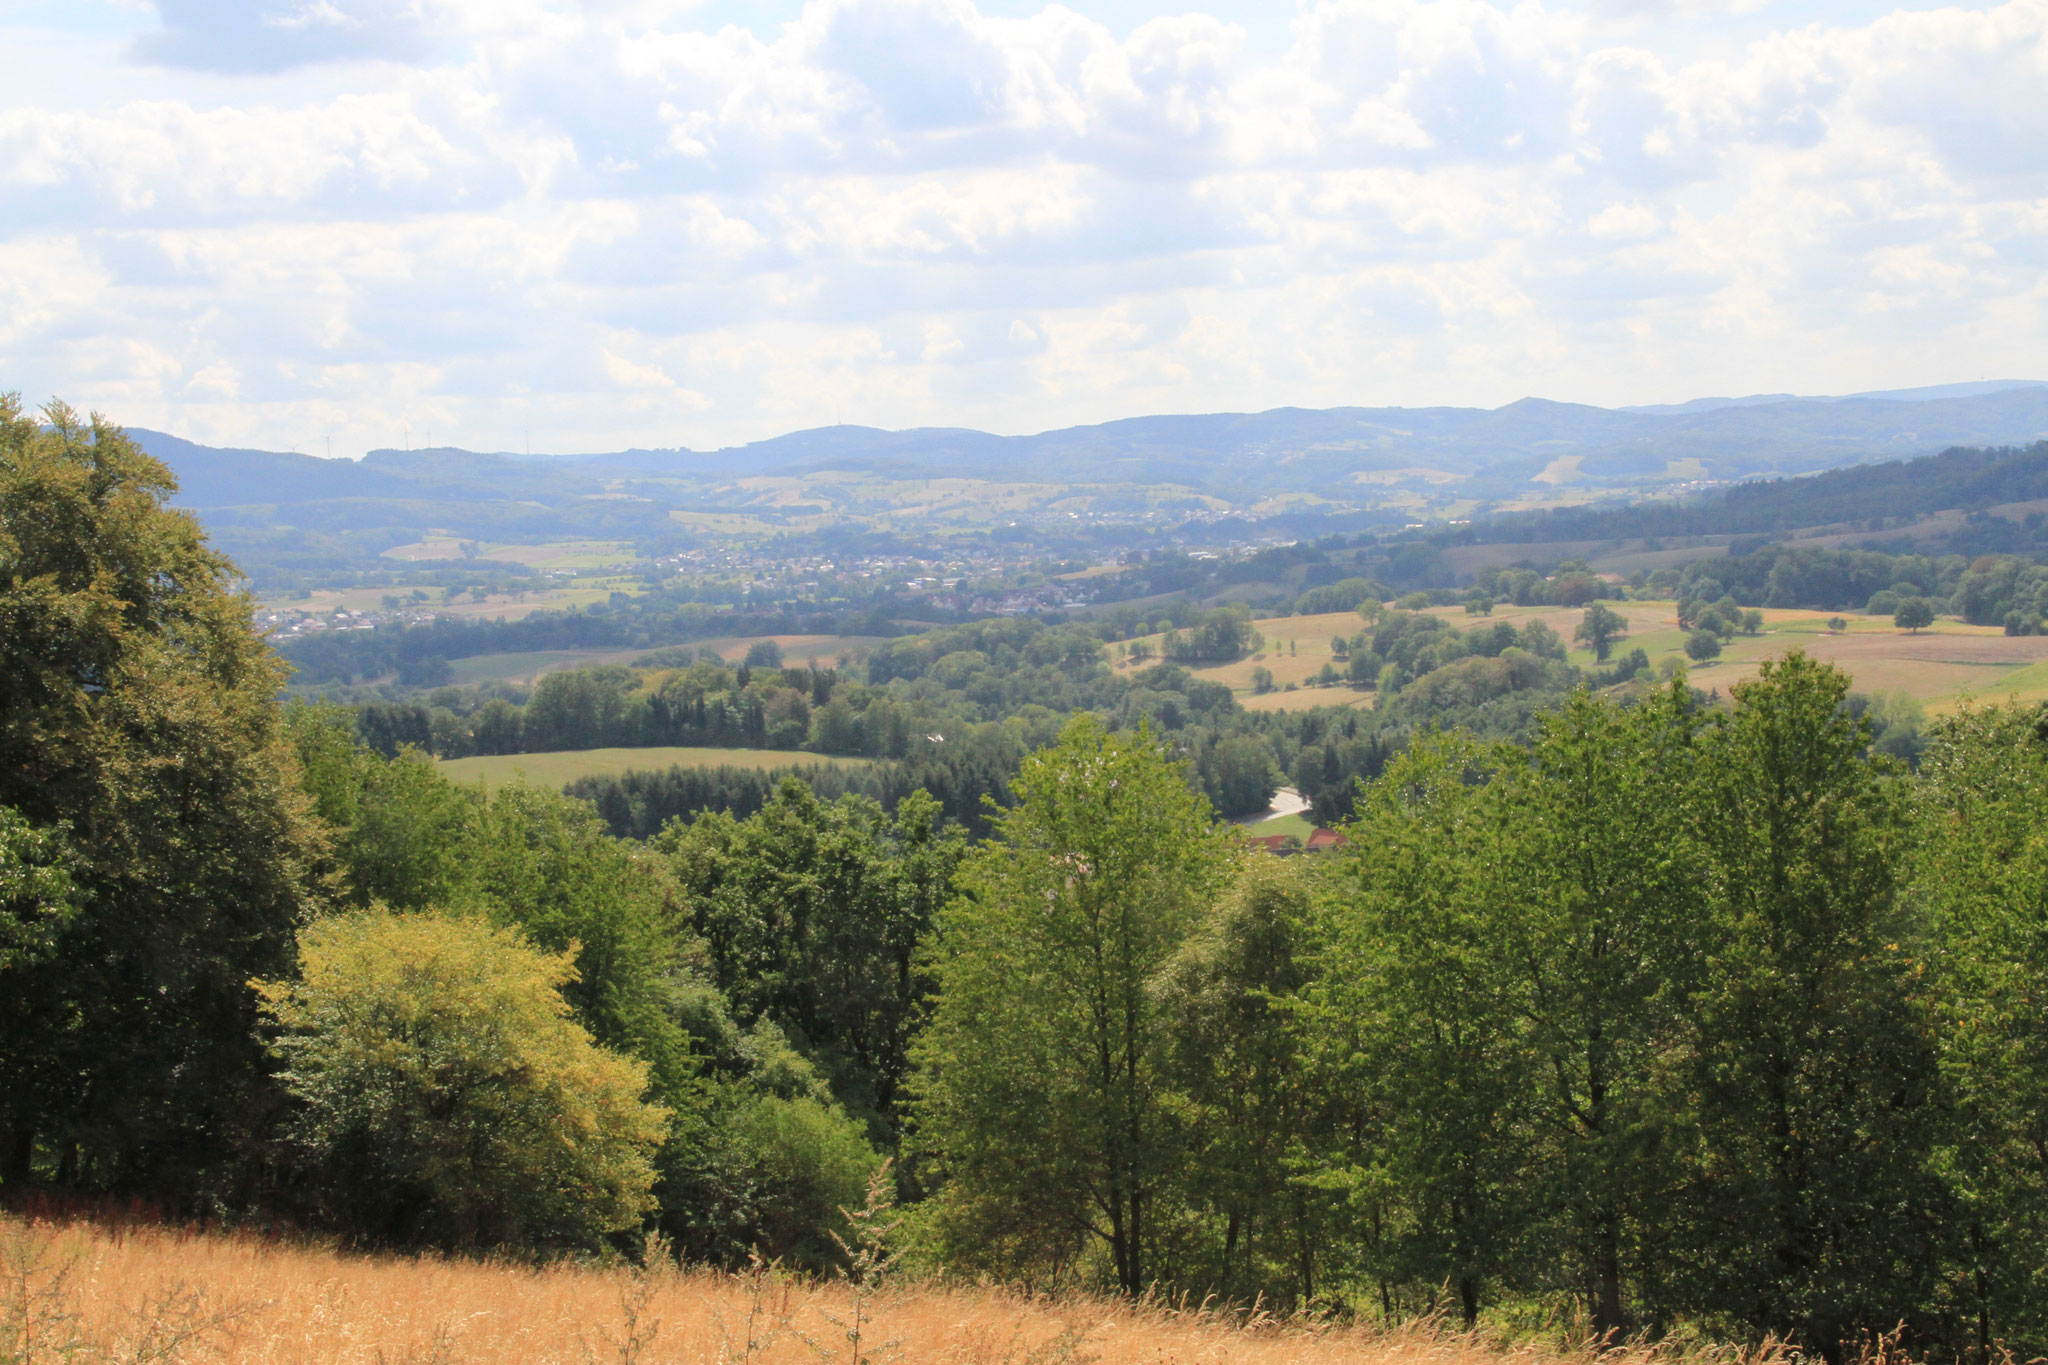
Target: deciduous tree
[1599,628]
[139,712]
[1045,1086]
[446,1096]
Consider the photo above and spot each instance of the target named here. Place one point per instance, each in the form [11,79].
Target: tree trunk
[18,1151]
[1610,1324]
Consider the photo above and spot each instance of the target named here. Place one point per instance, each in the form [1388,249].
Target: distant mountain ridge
[1297,469]
[1497,451]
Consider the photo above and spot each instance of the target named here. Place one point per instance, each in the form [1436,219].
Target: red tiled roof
[1326,838]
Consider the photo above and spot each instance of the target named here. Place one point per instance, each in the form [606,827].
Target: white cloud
[613,223]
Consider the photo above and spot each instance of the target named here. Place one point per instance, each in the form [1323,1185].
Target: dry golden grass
[109,1294]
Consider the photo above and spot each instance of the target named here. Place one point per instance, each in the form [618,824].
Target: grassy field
[1936,667]
[142,1293]
[563,766]
[582,592]
[526,667]
[1300,826]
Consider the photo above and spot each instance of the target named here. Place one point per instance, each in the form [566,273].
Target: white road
[1286,801]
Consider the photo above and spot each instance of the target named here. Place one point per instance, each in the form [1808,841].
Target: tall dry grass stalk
[84,1294]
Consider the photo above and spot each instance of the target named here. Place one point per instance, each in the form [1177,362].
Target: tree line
[1677,1017]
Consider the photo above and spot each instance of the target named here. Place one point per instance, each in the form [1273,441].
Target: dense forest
[1876,495]
[1648,1012]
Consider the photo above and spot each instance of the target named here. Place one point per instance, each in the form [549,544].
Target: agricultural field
[1936,667]
[563,766]
[560,554]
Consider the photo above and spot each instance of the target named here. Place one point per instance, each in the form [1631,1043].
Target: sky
[335,225]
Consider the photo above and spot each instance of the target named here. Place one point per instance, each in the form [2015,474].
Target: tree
[1413,996]
[1983,876]
[1837,624]
[1262,680]
[1216,636]
[1702,645]
[1599,628]
[445,1095]
[1237,1061]
[1238,775]
[1598,906]
[36,892]
[1522,949]
[811,914]
[1043,1088]
[1813,1074]
[139,715]
[1914,614]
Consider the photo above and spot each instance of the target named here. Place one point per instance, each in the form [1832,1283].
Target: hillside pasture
[560,767]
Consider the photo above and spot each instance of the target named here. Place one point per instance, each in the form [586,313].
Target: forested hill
[1865,498]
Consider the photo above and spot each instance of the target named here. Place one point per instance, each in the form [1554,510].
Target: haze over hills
[1293,468]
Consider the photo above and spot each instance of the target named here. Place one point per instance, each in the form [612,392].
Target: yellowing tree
[445,1094]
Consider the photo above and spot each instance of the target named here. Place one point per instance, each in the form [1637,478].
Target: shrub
[804,1161]
[446,1097]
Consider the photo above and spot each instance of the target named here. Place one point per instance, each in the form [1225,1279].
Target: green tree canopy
[1044,1094]
[1813,1075]
[1983,882]
[1599,628]
[1914,614]
[139,713]
[36,891]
